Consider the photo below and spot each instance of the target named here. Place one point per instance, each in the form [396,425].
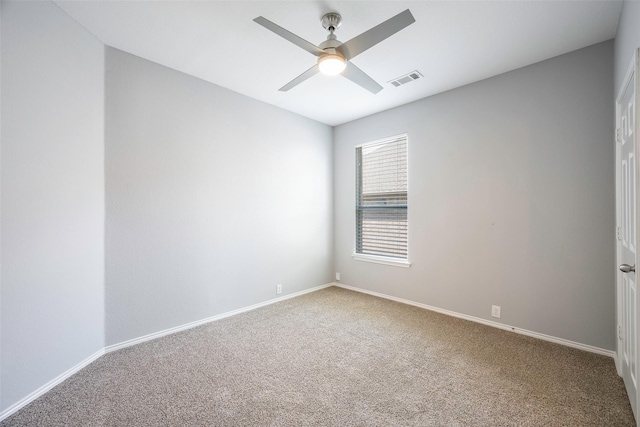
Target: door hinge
[618,135]
[619,332]
[618,233]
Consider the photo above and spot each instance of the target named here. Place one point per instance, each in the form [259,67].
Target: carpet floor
[338,358]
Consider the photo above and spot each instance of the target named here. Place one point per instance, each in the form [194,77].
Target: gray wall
[0,205]
[52,192]
[212,199]
[627,39]
[511,198]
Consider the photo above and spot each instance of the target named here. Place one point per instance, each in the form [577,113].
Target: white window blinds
[381,198]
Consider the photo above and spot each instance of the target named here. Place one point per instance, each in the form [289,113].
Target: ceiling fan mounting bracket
[331,21]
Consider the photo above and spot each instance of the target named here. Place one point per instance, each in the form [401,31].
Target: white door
[627,300]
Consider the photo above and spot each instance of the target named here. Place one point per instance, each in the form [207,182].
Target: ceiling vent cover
[408,78]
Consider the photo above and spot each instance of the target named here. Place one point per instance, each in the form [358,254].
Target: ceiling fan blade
[302,77]
[375,35]
[359,77]
[298,41]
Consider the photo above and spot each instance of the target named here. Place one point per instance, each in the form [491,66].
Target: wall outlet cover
[495,311]
[278,289]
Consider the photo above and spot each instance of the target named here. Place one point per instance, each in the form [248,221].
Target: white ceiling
[452,43]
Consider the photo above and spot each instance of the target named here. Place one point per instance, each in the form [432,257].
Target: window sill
[396,262]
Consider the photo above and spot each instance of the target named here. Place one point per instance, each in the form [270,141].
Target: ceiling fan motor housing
[330,43]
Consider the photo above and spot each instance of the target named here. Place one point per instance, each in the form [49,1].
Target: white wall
[52,192]
[212,199]
[511,198]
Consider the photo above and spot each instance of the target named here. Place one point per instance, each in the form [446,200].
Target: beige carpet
[339,358]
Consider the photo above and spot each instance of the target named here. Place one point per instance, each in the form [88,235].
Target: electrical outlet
[337,277]
[278,289]
[495,311]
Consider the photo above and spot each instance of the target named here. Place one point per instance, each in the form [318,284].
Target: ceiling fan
[334,56]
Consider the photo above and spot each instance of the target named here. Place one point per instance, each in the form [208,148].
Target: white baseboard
[48,386]
[617,358]
[190,325]
[538,335]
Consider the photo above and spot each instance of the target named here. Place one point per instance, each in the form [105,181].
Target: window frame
[380,259]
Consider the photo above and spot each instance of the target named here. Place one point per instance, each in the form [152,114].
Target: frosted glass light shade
[331,64]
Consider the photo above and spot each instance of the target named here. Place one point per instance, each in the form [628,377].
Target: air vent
[403,80]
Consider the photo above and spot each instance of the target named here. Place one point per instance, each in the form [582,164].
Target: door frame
[633,66]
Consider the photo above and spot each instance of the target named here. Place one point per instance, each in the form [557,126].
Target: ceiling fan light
[331,64]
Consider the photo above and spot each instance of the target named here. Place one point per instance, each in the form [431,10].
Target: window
[381,201]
